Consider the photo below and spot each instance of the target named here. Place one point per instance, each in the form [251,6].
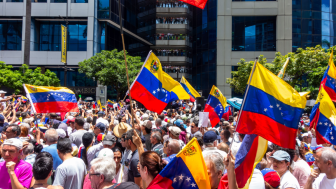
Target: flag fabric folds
[154,88]
[326,119]
[103,108]
[51,99]
[189,89]
[215,105]
[186,170]
[110,103]
[227,112]
[272,109]
[23,99]
[250,153]
[198,3]
[99,105]
[281,74]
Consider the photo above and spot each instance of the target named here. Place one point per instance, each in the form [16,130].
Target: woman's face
[117,158]
[280,166]
[123,119]
[143,172]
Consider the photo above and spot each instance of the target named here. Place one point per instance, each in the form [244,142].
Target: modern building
[93,26]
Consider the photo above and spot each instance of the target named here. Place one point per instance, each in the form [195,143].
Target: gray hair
[104,166]
[29,149]
[25,125]
[210,144]
[86,126]
[217,160]
[328,155]
[174,145]
[51,135]
[158,121]
[157,136]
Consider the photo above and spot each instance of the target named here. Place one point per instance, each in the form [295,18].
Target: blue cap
[209,137]
[100,125]
[101,113]
[281,155]
[179,122]
[2,118]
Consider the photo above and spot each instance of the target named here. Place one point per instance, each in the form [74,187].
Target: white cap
[144,117]
[61,133]
[310,133]
[14,142]
[1,91]
[305,135]
[106,152]
[175,130]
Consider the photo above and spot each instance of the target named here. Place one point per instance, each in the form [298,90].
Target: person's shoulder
[24,165]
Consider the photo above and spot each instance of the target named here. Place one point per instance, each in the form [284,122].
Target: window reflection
[10,34]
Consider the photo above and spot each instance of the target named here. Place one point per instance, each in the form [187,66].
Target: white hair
[29,149]
[25,125]
[104,166]
[86,126]
[215,158]
[328,155]
[51,135]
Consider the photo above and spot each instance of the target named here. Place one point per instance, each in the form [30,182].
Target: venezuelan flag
[329,79]
[23,99]
[215,105]
[326,119]
[99,105]
[272,109]
[189,89]
[154,88]
[95,105]
[103,107]
[186,170]
[227,112]
[281,74]
[110,103]
[250,153]
[51,99]
[198,3]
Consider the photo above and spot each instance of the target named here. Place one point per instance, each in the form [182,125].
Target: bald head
[173,147]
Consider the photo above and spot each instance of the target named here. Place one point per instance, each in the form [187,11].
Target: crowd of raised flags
[269,143]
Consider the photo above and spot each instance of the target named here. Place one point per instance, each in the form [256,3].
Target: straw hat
[120,129]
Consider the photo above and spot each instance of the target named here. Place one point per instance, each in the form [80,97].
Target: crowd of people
[171,4]
[114,149]
[176,69]
[171,20]
[170,52]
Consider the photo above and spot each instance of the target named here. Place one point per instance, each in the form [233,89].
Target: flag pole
[240,112]
[122,38]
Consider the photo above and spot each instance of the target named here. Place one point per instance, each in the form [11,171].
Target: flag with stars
[51,99]
[272,109]
[215,105]
[186,170]
[110,103]
[189,89]
[326,119]
[198,3]
[227,112]
[154,88]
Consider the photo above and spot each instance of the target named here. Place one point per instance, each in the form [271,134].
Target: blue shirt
[52,149]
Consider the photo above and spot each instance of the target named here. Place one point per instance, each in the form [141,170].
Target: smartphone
[133,106]
[116,109]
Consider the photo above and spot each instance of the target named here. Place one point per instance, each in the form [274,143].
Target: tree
[108,67]
[15,79]
[304,71]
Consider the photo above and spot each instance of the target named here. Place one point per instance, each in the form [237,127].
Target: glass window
[14,0]
[39,1]
[11,34]
[254,33]
[50,36]
[58,1]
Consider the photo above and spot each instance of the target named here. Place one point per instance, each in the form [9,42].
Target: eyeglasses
[93,174]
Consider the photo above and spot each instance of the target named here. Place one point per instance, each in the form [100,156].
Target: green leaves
[304,71]
[108,67]
[14,79]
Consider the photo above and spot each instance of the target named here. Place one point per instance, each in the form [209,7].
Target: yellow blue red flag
[51,99]
[186,170]
[272,109]
[215,105]
[110,103]
[189,89]
[154,88]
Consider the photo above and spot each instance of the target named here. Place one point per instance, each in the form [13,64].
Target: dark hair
[23,115]
[242,135]
[37,147]
[123,136]
[64,145]
[42,168]
[129,135]
[89,119]
[86,144]
[43,154]
[80,121]
[200,140]
[169,114]
[227,134]
[196,123]
[148,131]
[188,120]
[153,162]
[94,120]
[15,128]
[55,125]
[230,118]
[161,116]
[117,149]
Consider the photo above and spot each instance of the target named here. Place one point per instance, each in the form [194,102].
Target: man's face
[95,179]
[193,128]
[10,133]
[10,153]
[214,177]
[96,131]
[152,139]
[323,166]
[2,95]
[305,139]
[123,119]
[165,148]
[72,125]
[232,128]
[117,157]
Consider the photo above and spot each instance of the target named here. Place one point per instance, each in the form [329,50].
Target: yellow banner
[64,44]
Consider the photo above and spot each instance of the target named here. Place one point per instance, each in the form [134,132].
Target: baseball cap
[209,137]
[281,155]
[14,142]
[310,158]
[100,125]
[109,140]
[101,113]
[70,120]
[178,122]
[306,145]
[144,117]
[63,126]
[314,148]
[271,177]
[1,91]
[61,133]
[305,135]
[106,152]
[175,130]
[100,137]
[164,128]
[87,138]
[2,118]
[148,124]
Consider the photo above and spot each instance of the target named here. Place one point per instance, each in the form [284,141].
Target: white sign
[203,119]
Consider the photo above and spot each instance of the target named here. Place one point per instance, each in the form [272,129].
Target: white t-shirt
[322,182]
[288,181]
[257,181]
[3,103]
[301,172]
[104,121]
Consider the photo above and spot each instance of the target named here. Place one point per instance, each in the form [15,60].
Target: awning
[235,102]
